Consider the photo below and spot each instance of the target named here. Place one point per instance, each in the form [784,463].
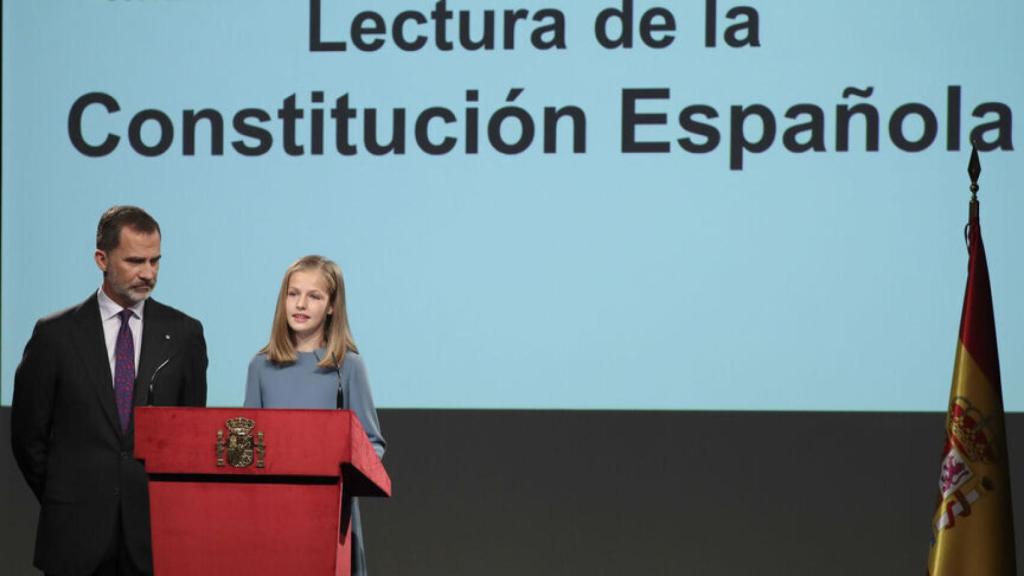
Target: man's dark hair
[108,233]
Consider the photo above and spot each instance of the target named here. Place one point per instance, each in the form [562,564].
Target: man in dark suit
[71,420]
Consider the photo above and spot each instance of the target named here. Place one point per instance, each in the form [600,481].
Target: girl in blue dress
[311,361]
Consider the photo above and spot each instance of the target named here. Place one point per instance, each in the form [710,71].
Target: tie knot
[125,315]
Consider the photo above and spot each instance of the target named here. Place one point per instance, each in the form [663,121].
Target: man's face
[129,271]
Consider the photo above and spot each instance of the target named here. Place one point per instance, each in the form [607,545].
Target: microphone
[341,392]
[152,380]
[340,401]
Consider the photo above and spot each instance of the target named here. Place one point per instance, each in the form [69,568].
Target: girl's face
[307,304]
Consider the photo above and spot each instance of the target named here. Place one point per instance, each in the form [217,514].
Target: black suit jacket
[67,438]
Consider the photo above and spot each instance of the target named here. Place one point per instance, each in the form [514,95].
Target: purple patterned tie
[124,369]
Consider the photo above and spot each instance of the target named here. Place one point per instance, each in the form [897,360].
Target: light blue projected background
[607,280]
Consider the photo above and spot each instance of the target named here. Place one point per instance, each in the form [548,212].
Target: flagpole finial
[974,170]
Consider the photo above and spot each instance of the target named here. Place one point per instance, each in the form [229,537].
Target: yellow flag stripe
[973,523]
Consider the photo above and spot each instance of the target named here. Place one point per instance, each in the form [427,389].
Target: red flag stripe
[977,324]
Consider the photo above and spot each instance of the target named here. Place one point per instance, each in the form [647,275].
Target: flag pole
[972,525]
[974,171]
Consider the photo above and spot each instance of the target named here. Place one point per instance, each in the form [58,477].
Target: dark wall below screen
[665,493]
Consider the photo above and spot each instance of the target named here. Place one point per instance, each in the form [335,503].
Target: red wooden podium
[248,491]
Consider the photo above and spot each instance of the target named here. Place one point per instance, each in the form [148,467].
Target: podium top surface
[256,442]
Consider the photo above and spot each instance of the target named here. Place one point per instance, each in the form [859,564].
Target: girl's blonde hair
[281,349]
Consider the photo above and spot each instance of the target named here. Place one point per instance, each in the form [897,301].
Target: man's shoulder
[62,317]
[159,311]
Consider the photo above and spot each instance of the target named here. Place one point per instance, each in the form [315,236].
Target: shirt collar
[109,309]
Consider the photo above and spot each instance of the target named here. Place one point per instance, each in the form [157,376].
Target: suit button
[117,491]
[124,455]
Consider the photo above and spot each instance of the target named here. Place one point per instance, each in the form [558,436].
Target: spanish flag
[972,528]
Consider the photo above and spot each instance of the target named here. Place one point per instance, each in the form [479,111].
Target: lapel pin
[167,336]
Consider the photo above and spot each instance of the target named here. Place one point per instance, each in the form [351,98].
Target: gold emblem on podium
[240,445]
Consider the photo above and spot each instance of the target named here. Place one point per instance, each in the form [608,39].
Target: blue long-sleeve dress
[306,385]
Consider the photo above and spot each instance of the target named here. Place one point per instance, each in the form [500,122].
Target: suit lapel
[92,349]
[158,342]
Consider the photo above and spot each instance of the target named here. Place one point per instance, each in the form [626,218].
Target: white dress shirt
[109,311]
